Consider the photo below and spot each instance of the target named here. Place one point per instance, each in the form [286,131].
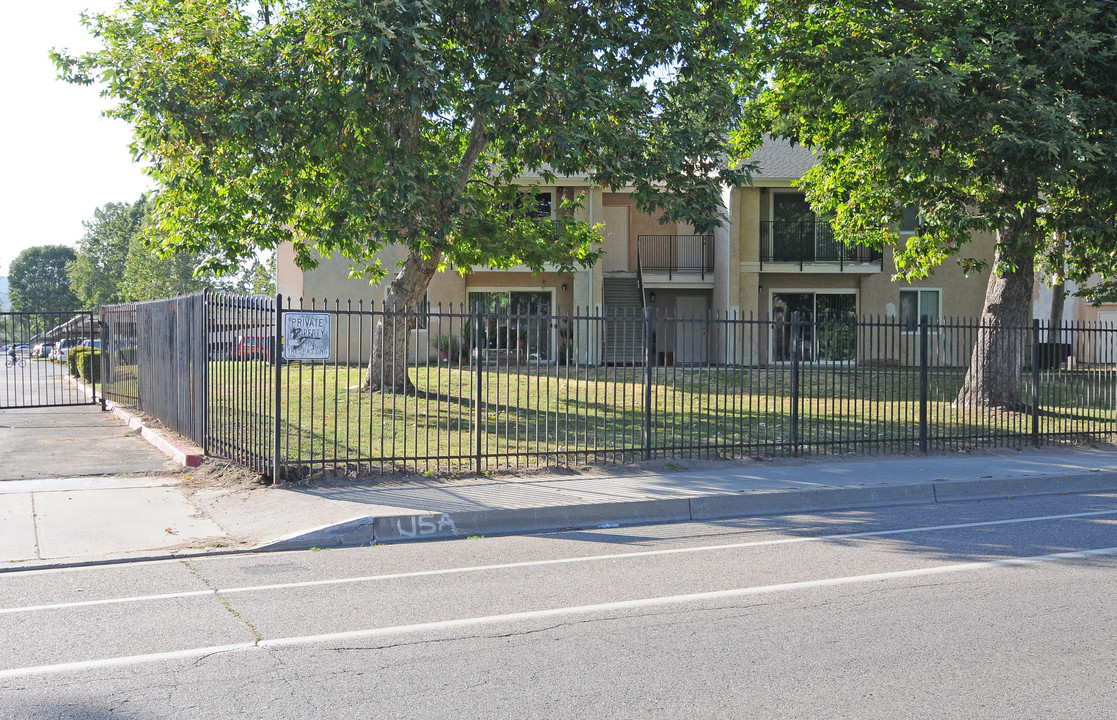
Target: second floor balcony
[808,242]
[689,255]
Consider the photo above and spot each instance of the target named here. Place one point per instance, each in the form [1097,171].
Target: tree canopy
[987,116]
[150,274]
[38,280]
[344,126]
[119,260]
[97,275]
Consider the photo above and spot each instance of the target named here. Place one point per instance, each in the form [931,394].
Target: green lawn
[530,416]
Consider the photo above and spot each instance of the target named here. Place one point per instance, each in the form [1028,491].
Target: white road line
[624,605]
[108,601]
[103,663]
[541,563]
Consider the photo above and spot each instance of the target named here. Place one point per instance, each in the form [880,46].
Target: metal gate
[38,368]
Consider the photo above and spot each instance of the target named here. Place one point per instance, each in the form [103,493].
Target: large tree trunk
[993,378]
[387,368]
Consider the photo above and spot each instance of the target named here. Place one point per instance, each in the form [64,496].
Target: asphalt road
[992,610]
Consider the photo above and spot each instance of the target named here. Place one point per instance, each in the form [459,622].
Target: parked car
[95,344]
[254,347]
[42,350]
[62,349]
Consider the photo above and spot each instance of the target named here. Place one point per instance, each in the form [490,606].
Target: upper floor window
[909,223]
[791,207]
[543,205]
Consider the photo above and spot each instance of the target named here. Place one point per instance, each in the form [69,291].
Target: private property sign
[306,335]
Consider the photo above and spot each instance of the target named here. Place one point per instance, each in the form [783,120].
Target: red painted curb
[173,449]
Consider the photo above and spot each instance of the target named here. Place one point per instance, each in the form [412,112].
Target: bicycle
[21,362]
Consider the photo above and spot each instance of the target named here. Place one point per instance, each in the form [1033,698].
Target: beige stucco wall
[561,283]
[288,277]
[740,285]
[877,293]
[962,297]
[1075,309]
[329,286]
[638,223]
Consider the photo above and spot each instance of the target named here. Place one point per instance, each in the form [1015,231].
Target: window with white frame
[916,303]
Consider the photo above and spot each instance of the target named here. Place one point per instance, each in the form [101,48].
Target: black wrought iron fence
[482,389]
[154,360]
[490,390]
[243,367]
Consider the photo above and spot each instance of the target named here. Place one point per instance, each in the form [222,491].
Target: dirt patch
[217,474]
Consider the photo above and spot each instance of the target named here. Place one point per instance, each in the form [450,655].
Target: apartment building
[772,257]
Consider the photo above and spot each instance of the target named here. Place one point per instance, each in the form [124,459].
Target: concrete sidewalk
[83,519]
[425,508]
[97,517]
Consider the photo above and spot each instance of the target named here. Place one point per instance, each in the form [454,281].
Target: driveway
[75,441]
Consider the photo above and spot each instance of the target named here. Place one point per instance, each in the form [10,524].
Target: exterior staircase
[624,320]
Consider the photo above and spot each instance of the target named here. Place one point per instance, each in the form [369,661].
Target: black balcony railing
[690,254]
[807,241]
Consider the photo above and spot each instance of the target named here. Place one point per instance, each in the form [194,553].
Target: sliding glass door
[827,328]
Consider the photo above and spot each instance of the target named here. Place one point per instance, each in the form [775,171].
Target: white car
[61,350]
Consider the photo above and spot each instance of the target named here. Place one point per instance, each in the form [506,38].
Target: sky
[62,160]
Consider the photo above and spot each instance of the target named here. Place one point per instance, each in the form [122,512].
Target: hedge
[85,363]
[72,356]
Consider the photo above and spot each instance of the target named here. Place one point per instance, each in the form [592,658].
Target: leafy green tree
[39,281]
[344,126]
[119,260]
[261,275]
[97,275]
[989,116]
[150,273]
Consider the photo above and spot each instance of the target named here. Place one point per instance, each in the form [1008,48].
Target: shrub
[72,359]
[85,363]
[449,345]
[90,365]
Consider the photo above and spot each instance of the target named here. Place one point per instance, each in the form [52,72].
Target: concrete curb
[1006,488]
[777,502]
[348,533]
[446,525]
[176,451]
